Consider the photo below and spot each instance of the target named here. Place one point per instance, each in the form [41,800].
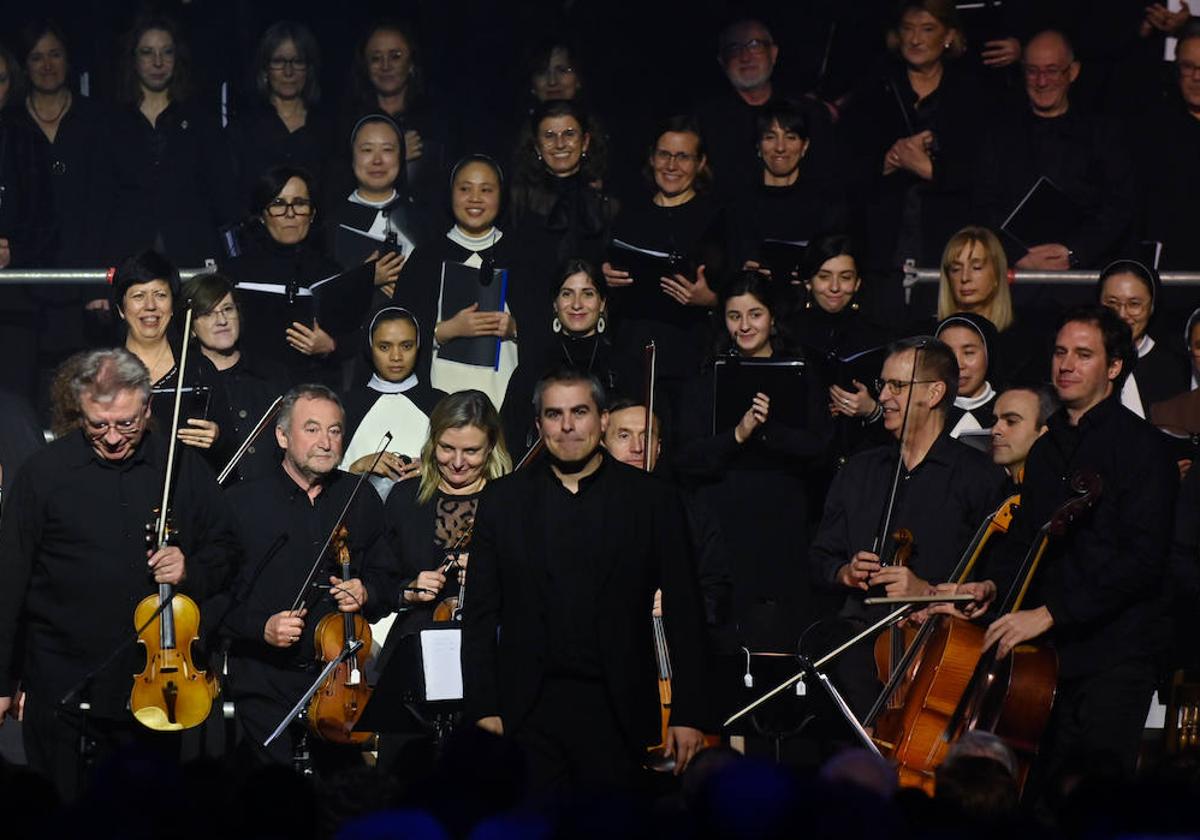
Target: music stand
[398,697]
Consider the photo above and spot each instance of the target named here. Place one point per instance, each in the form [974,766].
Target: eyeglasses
[225,313]
[898,385]
[294,63]
[1051,73]
[755,46]
[299,207]
[1187,68]
[125,428]
[662,156]
[1134,306]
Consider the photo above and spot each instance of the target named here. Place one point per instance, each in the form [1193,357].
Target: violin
[170,693]
[450,608]
[341,699]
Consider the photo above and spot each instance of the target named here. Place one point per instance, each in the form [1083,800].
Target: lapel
[534,520]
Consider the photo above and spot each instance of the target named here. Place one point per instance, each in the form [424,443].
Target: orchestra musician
[75,563]
[1100,596]
[282,520]
[1021,417]
[572,677]
[426,519]
[945,490]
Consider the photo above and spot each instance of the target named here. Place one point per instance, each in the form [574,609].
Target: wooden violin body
[171,693]
[340,701]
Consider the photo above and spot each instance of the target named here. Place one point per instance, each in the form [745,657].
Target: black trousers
[263,695]
[66,747]
[572,740]
[1097,717]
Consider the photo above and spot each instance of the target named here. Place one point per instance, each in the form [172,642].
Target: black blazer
[504,623]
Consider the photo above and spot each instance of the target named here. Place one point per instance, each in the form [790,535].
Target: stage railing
[914,275]
[77,276]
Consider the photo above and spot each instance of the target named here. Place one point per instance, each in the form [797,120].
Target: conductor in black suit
[557,640]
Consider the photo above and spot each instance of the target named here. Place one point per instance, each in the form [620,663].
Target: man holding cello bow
[74,561]
[282,521]
[944,490]
[1099,596]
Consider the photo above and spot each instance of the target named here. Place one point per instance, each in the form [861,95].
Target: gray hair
[983,744]
[102,374]
[310,391]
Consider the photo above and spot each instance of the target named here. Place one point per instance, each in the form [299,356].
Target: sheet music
[440,658]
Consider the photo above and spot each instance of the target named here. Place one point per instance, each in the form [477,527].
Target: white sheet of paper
[440,656]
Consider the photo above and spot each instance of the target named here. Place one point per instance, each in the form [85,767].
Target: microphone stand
[85,746]
[812,670]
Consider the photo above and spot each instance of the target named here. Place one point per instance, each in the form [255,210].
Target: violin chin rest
[155,718]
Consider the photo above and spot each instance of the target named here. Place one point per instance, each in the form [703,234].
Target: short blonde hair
[1000,308]
[946,14]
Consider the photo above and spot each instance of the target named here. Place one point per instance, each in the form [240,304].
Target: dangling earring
[600,323]
[556,325]
[808,304]
[854,305]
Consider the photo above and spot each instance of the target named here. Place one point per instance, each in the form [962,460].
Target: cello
[170,693]
[960,686]
[887,713]
[338,704]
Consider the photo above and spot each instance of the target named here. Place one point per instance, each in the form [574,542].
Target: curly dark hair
[533,184]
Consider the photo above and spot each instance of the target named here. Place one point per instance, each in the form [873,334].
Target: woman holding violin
[429,522]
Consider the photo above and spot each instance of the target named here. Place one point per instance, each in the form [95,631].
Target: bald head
[1050,69]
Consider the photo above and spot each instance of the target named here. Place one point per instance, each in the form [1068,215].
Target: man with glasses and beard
[75,564]
[557,645]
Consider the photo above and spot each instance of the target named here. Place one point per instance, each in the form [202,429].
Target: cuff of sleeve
[1058,612]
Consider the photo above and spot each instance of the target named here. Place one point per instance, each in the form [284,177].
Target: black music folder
[352,246]
[783,258]
[1046,214]
[339,302]
[193,403]
[461,286]
[737,380]
[645,298]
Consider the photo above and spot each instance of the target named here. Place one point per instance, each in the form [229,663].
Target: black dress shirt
[942,501]
[1103,582]
[281,531]
[574,530]
[73,561]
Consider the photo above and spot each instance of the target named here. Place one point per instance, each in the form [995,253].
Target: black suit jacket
[505,620]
